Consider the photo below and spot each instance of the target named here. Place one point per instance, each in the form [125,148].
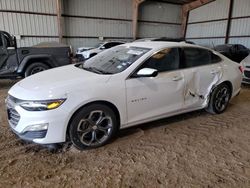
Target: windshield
[114,60]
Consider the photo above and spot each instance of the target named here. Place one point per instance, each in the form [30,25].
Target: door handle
[214,71]
[177,78]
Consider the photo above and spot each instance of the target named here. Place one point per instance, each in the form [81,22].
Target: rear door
[151,97]
[202,70]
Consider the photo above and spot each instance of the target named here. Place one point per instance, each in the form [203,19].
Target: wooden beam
[186,8]
[135,8]
[59,19]
[229,20]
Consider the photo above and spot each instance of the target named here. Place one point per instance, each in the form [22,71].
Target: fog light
[38,127]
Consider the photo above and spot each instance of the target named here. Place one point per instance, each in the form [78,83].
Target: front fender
[39,58]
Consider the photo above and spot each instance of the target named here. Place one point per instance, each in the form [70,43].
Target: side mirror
[147,72]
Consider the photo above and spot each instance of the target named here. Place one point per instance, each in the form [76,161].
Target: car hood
[56,83]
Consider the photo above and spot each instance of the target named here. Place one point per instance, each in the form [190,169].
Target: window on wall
[165,60]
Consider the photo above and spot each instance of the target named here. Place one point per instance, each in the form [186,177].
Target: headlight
[42,105]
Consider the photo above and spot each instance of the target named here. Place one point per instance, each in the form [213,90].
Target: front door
[152,97]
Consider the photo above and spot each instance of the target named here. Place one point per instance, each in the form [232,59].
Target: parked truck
[25,61]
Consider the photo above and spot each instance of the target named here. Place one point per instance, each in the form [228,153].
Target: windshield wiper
[93,69]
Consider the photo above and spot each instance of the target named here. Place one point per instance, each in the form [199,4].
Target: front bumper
[246,76]
[31,135]
[20,119]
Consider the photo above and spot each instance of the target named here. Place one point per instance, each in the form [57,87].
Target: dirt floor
[191,150]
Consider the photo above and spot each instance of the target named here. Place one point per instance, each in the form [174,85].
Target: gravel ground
[191,150]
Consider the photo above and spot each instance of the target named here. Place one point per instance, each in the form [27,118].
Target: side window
[215,58]
[194,57]
[165,60]
[114,44]
[109,45]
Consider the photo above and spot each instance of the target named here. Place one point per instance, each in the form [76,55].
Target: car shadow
[159,123]
[245,86]
[6,84]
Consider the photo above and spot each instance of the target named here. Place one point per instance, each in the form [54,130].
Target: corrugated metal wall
[86,21]
[202,29]
[207,25]
[240,27]
[157,19]
[17,18]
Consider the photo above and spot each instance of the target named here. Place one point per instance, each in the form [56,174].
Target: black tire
[219,99]
[35,68]
[85,131]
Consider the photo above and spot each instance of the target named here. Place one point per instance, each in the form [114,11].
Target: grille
[34,134]
[247,74]
[13,115]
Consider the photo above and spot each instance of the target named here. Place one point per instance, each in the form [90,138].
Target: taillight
[241,69]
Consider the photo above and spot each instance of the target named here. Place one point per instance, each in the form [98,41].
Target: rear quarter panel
[232,73]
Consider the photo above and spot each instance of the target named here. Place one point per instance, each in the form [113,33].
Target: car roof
[160,44]
[105,42]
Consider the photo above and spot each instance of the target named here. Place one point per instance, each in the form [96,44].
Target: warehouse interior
[194,149]
[86,22]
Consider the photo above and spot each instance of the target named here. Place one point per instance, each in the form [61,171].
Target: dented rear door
[201,71]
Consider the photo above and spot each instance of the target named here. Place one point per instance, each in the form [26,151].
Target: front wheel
[219,99]
[35,68]
[93,126]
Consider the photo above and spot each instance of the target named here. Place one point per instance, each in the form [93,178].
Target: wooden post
[59,19]
[186,8]
[135,7]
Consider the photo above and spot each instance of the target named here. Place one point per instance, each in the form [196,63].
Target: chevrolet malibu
[124,86]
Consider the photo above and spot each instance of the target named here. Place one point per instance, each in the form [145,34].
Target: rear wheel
[35,68]
[93,126]
[219,99]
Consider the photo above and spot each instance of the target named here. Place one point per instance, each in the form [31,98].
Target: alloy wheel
[222,99]
[95,128]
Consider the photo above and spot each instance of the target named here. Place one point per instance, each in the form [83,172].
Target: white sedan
[124,86]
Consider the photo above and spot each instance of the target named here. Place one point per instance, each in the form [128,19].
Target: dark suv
[235,52]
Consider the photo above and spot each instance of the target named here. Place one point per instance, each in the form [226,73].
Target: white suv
[84,53]
[124,86]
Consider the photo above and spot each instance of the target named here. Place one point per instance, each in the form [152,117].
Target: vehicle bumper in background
[80,57]
[246,76]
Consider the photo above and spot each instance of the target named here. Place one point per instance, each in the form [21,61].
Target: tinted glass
[215,58]
[165,60]
[112,44]
[194,57]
